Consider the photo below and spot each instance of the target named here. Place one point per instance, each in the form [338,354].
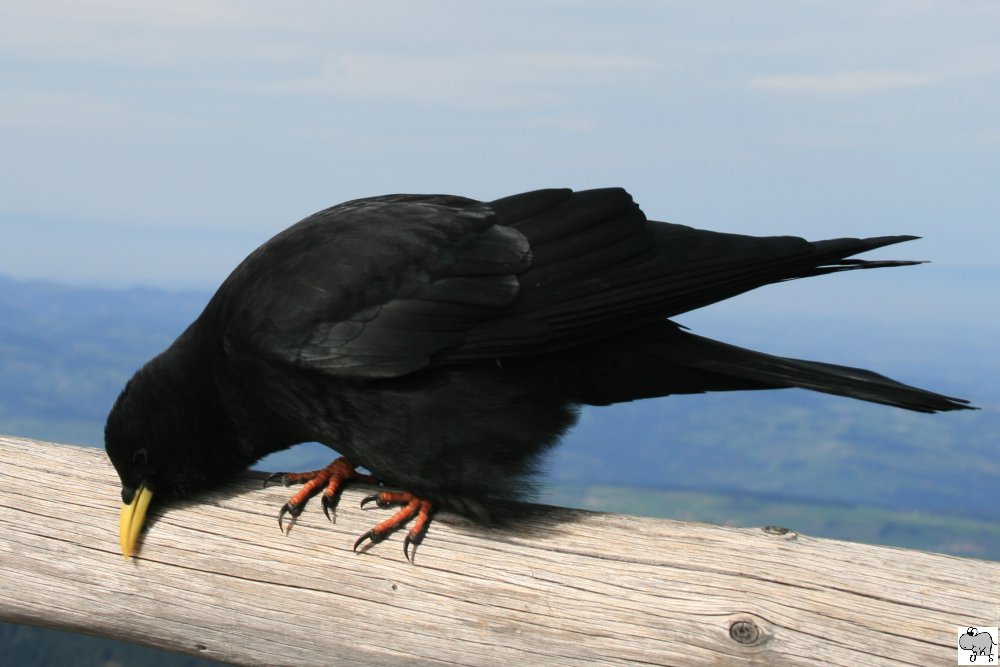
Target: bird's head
[141,455]
[132,462]
[161,440]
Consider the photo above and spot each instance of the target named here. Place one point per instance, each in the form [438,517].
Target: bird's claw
[378,499]
[283,476]
[329,507]
[334,476]
[414,508]
[293,510]
[372,536]
[415,540]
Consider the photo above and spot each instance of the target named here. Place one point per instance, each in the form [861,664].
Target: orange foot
[412,507]
[334,476]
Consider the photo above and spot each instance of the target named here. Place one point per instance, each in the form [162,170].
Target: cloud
[402,51]
[570,124]
[159,35]
[64,110]
[865,81]
[504,79]
[844,82]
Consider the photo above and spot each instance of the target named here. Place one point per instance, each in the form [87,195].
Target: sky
[157,143]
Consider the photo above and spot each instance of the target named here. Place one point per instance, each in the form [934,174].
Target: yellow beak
[132,517]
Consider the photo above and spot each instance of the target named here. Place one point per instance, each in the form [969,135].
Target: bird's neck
[181,385]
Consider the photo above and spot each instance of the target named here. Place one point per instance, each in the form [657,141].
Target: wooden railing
[214,577]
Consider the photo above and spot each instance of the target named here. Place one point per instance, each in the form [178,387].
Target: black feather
[445,343]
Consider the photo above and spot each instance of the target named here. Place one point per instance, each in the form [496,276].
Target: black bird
[445,343]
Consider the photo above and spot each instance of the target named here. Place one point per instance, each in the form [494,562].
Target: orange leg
[333,476]
[332,479]
[412,507]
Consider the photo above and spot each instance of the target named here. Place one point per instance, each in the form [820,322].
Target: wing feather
[390,285]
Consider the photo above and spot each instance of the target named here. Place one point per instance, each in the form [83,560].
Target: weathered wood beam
[214,577]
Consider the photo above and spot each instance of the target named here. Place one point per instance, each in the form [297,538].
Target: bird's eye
[140,457]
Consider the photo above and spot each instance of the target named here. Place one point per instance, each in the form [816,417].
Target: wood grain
[214,577]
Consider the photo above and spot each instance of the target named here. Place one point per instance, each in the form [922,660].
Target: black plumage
[445,343]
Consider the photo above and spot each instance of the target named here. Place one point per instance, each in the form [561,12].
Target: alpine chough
[444,344]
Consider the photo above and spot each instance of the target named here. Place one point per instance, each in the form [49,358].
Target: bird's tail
[662,359]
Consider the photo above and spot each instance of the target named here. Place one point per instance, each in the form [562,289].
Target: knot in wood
[744,632]
[780,531]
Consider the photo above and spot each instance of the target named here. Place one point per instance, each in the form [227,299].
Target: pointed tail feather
[662,359]
[823,377]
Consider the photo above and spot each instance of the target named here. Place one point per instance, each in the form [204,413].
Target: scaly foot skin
[334,476]
[412,507]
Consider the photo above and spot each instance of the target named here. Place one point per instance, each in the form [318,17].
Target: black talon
[288,508]
[277,475]
[361,539]
[377,499]
[369,535]
[415,541]
[328,505]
